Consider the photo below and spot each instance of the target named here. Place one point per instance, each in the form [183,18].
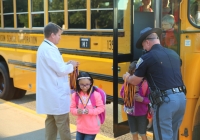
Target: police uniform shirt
[161,66]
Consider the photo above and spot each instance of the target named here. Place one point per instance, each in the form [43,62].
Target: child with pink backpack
[88,104]
[136,106]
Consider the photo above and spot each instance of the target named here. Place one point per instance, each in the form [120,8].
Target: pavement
[20,123]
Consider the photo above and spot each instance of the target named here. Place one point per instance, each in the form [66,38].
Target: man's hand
[74,63]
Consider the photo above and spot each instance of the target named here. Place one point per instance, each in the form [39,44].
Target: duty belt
[176,90]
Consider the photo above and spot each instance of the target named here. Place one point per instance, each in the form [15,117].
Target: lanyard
[84,105]
[47,42]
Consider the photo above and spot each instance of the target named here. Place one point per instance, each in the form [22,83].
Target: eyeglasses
[86,85]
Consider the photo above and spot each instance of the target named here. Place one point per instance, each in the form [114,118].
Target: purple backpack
[93,102]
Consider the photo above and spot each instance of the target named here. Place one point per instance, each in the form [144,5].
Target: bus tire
[6,83]
[19,93]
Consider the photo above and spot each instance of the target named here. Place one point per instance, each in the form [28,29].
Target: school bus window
[77,14]
[194,12]
[37,11]
[166,9]
[56,5]
[57,17]
[174,4]
[102,14]
[76,4]
[38,20]
[22,6]
[143,5]
[120,19]
[22,13]
[56,12]
[8,21]
[37,5]
[22,21]
[102,4]
[8,13]
[8,6]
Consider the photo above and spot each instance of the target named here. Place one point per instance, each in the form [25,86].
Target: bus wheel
[19,93]
[6,83]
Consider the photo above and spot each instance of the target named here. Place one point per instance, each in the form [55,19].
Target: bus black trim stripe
[78,33]
[21,63]
[94,75]
[63,51]
[186,31]
[110,99]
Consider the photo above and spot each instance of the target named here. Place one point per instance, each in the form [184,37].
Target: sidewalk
[20,123]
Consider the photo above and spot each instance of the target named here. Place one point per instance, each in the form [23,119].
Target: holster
[156,97]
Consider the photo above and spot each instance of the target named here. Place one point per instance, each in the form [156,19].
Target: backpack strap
[144,87]
[93,100]
[92,97]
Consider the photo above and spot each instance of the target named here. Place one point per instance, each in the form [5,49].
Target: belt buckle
[180,89]
[175,90]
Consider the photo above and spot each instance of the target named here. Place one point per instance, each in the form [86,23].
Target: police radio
[156,97]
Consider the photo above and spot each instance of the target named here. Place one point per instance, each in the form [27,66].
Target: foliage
[56,5]
[23,20]
[37,5]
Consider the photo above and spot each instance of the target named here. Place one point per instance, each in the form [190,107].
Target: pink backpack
[93,101]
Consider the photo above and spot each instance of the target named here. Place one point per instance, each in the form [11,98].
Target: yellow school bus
[101,35]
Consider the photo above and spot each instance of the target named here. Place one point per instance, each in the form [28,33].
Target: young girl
[168,37]
[146,7]
[88,123]
[137,112]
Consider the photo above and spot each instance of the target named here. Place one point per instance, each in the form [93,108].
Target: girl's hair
[83,75]
[132,67]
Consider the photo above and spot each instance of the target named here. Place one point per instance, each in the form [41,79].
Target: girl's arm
[100,107]
[146,100]
[73,106]
[141,99]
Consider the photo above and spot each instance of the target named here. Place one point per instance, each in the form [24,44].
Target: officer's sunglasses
[151,38]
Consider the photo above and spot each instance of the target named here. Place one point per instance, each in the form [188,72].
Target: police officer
[161,67]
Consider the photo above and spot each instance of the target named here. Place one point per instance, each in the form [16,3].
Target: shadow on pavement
[34,135]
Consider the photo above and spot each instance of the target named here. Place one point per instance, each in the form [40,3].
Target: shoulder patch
[139,62]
